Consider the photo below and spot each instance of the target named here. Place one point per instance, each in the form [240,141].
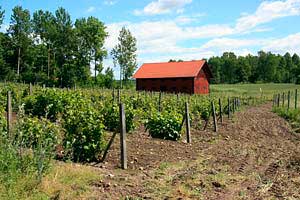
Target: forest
[49,48]
[265,67]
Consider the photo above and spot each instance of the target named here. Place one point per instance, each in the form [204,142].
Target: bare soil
[255,155]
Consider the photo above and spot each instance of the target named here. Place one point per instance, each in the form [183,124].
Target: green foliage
[124,53]
[166,125]
[48,103]
[84,127]
[25,156]
[111,115]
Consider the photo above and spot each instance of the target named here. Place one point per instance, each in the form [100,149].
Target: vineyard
[41,127]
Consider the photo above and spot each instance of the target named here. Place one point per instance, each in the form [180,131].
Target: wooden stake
[283,99]
[119,96]
[187,120]
[9,116]
[30,89]
[296,98]
[228,108]
[221,111]
[289,99]
[123,137]
[214,116]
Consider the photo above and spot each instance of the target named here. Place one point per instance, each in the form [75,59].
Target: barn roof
[170,69]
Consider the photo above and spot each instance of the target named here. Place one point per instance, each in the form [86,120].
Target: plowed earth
[255,155]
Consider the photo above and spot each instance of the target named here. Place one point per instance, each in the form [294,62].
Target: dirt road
[253,156]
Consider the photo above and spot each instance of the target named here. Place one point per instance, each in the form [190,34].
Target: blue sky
[188,29]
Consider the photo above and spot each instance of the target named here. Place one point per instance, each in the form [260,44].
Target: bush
[111,115]
[48,103]
[25,157]
[84,127]
[165,125]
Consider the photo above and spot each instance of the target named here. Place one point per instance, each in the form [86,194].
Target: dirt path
[254,156]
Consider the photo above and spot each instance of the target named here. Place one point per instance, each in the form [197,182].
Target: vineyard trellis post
[119,96]
[30,89]
[214,116]
[296,98]
[159,102]
[9,113]
[289,99]
[187,122]
[221,111]
[228,108]
[233,104]
[283,99]
[278,100]
[113,94]
[123,137]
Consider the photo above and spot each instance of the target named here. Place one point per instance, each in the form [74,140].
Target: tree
[20,30]
[243,71]
[109,78]
[124,54]
[44,28]
[216,64]
[1,16]
[91,33]
[289,67]
[229,67]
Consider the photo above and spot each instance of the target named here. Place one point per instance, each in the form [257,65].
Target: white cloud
[109,2]
[160,40]
[162,7]
[91,9]
[290,43]
[187,19]
[268,11]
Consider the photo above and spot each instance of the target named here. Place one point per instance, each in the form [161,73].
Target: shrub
[111,115]
[84,127]
[165,125]
[25,157]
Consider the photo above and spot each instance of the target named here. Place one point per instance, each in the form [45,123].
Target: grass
[69,181]
[267,89]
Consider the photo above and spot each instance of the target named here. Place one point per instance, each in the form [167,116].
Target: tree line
[265,67]
[49,48]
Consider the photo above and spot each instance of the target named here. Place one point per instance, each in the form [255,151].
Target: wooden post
[30,89]
[233,104]
[283,99]
[289,99]
[187,120]
[278,100]
[119,96]
[113,94]
[159,102]
[296,98]
[123,137]
[214,116]
[221,111]
[228,108]
[9,116]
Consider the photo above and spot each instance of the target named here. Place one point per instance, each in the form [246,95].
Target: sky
[187,29]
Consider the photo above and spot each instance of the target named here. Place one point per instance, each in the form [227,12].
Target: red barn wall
[201,85]
[175,85]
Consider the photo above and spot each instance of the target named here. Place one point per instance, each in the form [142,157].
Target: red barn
[190,77]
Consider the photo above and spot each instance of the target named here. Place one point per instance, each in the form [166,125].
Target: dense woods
[265,67]
[50,48]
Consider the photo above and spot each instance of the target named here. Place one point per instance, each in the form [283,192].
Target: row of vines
[82,117]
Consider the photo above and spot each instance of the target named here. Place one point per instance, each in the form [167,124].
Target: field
[253,155]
